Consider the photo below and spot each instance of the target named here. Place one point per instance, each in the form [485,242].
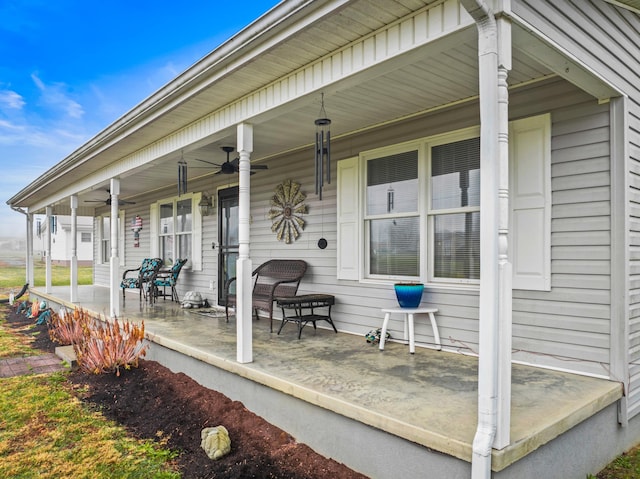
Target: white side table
[408,318]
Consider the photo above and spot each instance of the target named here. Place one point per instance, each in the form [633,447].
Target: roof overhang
[271,75]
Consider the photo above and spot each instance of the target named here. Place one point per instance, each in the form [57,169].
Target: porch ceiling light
[205,206]
[322,150]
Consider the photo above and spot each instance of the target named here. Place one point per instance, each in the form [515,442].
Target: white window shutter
[154,225]
[121,237]
[196,237]
[530,199]
[99,233]
[348,192]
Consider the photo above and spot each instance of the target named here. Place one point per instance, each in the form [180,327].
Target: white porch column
[47,281]
[114,260]
[29,256]
[244,267]
[494,361]
[74,249]
[505,270]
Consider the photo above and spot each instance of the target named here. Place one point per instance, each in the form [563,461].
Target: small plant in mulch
[100,346]
[69,328]
[109,347]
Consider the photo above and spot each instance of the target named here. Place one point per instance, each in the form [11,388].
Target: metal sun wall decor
[287,204]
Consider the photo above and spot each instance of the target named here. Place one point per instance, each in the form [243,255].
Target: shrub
[108,346]
[69,328]
[100,346]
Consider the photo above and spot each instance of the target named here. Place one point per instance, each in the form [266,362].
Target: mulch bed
[153,403]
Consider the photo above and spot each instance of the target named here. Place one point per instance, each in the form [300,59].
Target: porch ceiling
[419,82]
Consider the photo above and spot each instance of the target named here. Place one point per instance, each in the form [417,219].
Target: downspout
[29,245]
[489,252]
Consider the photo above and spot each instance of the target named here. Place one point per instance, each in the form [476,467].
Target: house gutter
[489,308]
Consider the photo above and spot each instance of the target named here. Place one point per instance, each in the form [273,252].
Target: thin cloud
[7,125]
[11,100]
[55,96]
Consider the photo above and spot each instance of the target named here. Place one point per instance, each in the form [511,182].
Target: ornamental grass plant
[69,327]
[100,346]
[109,346]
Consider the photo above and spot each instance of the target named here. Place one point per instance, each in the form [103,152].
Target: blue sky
[69,68]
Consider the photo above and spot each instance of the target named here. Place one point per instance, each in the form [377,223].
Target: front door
[227,239]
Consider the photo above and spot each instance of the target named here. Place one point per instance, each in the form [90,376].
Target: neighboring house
[61,248]
[488,149]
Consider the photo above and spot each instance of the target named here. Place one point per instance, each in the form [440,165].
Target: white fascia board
[270,29]
[562,62]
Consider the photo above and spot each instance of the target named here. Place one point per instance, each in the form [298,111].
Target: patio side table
[297,304]
[408,319]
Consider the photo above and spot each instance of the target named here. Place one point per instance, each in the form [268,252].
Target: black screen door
[227,239]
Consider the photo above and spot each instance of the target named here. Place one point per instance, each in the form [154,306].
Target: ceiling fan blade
[208,162]
[236,165]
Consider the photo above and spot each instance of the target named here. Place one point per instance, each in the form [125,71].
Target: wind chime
[323,150]
[182,176]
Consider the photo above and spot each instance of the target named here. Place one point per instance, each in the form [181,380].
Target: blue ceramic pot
[409,294]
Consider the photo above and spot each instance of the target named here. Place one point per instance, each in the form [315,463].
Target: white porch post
[47,281]
[74,249]
[114,260]
[29,256]
[505,290]
[244,267]
[494,361]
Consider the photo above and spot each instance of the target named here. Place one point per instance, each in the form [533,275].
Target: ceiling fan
[108,200]
[230,167]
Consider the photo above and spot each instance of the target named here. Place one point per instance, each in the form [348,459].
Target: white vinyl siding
[606,37]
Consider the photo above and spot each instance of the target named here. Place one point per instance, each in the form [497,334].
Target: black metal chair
[168,279]
[144,279]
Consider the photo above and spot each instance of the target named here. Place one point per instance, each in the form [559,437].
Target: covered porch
[419,406]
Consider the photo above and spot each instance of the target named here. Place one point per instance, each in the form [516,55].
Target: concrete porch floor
[429,398]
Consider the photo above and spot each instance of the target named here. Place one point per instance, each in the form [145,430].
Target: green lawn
[46,432]
[60,275]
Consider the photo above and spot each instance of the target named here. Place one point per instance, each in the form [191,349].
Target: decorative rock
[215,442]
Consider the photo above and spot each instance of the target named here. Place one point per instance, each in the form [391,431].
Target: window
[176,230]
[176,224]
[392,221]
[104,238]
[402,223]
[85,237]
[412,212]
[454,213]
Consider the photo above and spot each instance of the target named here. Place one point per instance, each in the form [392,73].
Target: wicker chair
[168,279]
[275,278]
[143,280]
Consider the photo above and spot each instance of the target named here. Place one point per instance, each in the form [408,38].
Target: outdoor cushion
[143,280]
[168,279]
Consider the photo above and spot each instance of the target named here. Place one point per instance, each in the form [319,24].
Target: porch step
[68,355]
